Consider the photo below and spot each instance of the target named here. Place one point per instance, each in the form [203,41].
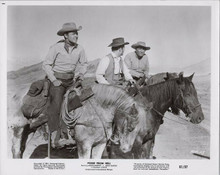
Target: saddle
[75,99]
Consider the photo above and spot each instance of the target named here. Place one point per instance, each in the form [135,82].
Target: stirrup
[115,141]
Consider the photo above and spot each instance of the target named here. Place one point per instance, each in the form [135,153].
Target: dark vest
[109,73]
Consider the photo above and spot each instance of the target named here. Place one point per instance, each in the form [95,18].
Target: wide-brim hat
[68,27]
[140,44]
[118,42]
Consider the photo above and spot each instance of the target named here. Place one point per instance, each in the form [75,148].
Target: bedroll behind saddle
[35,101]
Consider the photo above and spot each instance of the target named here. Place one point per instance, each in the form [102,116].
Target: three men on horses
[60,65]
[63,58]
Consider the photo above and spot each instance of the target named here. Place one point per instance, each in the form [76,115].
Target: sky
[179,36]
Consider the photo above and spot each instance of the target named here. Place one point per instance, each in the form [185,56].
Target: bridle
[185,107]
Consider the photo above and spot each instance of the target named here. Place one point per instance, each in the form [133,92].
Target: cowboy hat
[118,42]
[68,27]
[140,44]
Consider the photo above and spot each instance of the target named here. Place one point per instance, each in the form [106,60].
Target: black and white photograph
[114,87]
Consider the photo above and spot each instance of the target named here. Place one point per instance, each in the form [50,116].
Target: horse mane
[109,95]
[161,91]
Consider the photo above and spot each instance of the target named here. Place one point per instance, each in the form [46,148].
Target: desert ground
[176,139]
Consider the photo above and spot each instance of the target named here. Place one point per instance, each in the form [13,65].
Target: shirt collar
[67,46]
[114,56]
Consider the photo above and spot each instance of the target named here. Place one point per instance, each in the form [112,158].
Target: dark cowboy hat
[68,27]
[118,42]
[140,44]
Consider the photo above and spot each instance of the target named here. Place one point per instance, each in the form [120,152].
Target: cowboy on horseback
[60,67]
[137,62]
[113,70]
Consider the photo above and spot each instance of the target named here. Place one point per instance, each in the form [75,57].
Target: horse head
[126,123]
[187,99]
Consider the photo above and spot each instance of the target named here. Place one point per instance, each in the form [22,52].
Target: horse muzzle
[196,119]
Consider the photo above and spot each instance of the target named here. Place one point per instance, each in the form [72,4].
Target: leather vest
[112,78]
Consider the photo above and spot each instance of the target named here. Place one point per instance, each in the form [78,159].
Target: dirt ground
[176,138]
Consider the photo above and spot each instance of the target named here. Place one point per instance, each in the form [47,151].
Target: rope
[69,119]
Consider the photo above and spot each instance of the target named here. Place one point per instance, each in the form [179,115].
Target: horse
[94,127]
[177,92]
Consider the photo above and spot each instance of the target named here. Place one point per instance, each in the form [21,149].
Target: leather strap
[64,76]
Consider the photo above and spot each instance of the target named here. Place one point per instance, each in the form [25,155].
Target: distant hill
[201,68]
[34,72]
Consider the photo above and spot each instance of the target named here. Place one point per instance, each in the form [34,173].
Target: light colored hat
[118,42]
[68,27]
[140,44]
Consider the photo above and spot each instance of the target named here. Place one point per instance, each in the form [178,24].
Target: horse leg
[147,149]
[151,149]
[84,150]
[16,149]
[98,150]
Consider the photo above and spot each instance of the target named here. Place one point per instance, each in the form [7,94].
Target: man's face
[140,51]
[72,37]
[122,49]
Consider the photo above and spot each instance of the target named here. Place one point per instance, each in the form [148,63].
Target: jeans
[56,99]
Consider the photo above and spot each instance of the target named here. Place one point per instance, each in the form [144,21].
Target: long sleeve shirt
[63,59]
[103,65]
[137,67]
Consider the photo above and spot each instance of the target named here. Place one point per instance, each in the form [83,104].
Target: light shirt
[63,59]
[103,65]
[137,67]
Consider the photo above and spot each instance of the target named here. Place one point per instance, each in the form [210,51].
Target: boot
[58,142]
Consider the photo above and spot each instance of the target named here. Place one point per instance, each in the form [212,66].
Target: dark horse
[179,93]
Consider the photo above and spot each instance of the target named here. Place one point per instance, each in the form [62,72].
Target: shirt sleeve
[82,63]
[146,72]
[126,71]
[100,72]
[128,61]
[48,64]
[132,71]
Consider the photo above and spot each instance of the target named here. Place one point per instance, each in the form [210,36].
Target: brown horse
[94,127]
[178,92]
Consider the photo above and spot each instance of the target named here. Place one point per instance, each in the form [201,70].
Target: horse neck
[162,95]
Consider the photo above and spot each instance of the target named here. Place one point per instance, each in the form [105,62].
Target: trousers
[56,99]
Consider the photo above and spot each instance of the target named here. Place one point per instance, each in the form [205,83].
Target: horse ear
[181,74]
[191,76]
[168,77]
[180,79]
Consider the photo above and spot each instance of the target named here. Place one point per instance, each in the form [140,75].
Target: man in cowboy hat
[111,68]
[137,61]
[60,66]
